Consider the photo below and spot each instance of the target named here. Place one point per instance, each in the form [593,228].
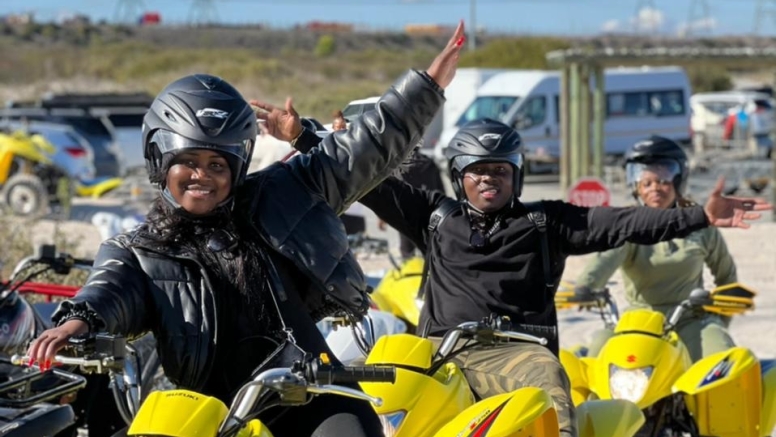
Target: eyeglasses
[649,183]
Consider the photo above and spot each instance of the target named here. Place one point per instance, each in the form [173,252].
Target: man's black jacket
[506,277]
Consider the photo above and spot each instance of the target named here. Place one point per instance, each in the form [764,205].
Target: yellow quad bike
[184,413]
[28,179]
[397,292]
[431,396]
[728,394]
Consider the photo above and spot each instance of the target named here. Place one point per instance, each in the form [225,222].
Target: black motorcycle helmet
[657,151]
[484,140]
[199,112]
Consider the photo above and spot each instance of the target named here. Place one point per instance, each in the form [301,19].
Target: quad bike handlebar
[102,353]
[492,330]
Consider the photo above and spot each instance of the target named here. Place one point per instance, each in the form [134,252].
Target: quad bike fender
[725,391]
[404,349]
[417,405]
[521,413]
[576,369]
[609,418]
[195,414]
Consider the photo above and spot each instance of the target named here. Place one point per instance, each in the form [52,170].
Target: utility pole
[128,11]
[766,9]
[473,24]
[699,19]
[203,12]
[639,26]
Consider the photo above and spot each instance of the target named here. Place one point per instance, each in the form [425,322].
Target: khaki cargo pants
[494,370]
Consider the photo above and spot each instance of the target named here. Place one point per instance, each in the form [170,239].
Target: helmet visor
[662,171]
[460,162]
[170,142]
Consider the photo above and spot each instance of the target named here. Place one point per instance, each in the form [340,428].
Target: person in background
[662,275]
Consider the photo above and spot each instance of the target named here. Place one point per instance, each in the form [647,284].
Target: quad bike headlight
[629,384]
[391,422]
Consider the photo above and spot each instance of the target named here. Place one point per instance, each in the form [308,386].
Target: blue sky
[726,17]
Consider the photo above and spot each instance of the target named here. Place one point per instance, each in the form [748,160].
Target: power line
[203,12]
[765,9]
[128,11]
[699,19]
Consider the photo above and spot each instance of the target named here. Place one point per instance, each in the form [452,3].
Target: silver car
[73,153]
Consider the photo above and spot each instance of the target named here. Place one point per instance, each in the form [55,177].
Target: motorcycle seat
[766,365]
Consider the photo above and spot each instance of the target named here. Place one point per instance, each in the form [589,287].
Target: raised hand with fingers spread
[732,212]
[282,123]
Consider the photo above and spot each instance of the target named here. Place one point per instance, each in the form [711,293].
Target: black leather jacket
[295,206]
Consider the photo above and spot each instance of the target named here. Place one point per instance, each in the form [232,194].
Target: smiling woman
[199,180]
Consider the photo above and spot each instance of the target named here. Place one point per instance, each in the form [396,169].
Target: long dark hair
[241,266]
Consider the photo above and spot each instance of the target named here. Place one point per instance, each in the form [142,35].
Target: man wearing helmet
[661,276]
[490,254]
[231,272]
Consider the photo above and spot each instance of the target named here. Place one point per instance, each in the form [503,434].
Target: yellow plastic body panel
[429,402]
[98,190]
[178,413]
[768,415]
[727,393]
[522,413]
[397,292]
[641,320]
[254,428]
[405,349]
[576,370]
[668,358]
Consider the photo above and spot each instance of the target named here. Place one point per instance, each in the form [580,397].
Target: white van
[458,96]
[639,102]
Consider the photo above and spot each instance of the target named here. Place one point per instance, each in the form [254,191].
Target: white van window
[532,113]
[666,102]
[639,104]
[493,107]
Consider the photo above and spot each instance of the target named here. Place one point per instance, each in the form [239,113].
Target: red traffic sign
[589,192]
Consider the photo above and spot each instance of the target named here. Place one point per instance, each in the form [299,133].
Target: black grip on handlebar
[349,375]
[548,332]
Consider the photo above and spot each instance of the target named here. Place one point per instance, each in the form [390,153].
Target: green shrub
[325,46]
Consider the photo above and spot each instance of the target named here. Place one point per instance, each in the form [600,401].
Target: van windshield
[494,107]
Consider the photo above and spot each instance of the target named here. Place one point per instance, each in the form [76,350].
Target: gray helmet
[484,140]
[659,153]
[199,112]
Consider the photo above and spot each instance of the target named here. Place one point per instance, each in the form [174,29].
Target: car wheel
[25,195]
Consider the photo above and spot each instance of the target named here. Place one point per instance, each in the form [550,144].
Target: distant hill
[321,70]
